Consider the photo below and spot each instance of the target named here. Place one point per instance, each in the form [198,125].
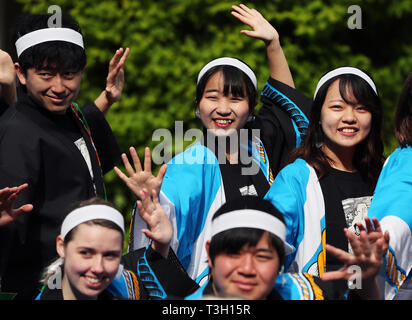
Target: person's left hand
[115,77]
[152,213]
[369,249]
[7,199]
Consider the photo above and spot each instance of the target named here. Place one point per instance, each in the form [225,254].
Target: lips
[244,285]
[222,122]
[56,100]
[348,131]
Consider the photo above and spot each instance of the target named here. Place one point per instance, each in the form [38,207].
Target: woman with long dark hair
[329,183]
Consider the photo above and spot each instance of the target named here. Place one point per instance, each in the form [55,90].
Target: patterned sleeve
[283,120]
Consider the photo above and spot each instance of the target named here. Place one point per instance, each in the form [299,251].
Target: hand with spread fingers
[369,249]
[261,28]
[139,178]
[160,229]
[7,199]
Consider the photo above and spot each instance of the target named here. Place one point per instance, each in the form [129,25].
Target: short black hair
[56,55]
[232,241]
[236,82]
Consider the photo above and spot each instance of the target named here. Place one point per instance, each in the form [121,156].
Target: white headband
[229,62]
[250,218]
[95,211]
[345,70]
[48,34]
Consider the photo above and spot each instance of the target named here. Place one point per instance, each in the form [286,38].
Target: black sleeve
[282,120]
[103,137]
[170,273]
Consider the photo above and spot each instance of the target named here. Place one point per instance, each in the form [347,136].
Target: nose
[58,85]
[97,266]
[247,266]
[349,115]
[223,109]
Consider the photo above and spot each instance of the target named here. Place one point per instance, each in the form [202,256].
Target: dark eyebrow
[211,90]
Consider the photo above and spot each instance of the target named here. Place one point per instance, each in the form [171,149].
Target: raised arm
[263,30]
[114,81]
[7,79]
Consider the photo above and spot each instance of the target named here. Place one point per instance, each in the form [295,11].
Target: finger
[354,242]
[338,253]
[127,165]
[369,225]
[124,57]
[334,275]
[246,9]
[377,225]
[364,244]
[250,33]
[155,198]
[23,209]
[120,174]
[147,160]
[161,173]
[360,226]
[135,158]
[115,59]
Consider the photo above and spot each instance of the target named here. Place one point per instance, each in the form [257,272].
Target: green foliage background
[171,40]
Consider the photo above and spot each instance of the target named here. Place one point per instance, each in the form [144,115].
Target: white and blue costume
[296,192]
[193,187]
[391,205]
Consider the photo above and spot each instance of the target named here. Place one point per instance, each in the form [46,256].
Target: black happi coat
[37,151]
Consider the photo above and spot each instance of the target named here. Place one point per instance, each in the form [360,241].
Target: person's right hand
[262,29]
[139,179]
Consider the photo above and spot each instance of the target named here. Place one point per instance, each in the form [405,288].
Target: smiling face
[54,90]
[223,114]
[91,260]
[249,273]
[344,125]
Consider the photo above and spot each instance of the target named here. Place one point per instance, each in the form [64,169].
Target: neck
[342,158]
[70,293]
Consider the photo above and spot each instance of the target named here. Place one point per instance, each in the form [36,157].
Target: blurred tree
[171,40]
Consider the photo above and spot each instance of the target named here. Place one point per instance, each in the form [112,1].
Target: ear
[20,74]
[209,261]
[60,246]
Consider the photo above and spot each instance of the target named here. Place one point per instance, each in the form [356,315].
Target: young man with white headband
[206,175]
[247,250]
[46,141]
[329,182]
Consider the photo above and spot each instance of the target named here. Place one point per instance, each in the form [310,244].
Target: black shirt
[347,198]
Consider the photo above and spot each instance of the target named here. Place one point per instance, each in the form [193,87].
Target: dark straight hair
[403,114]
[368,158]
[236,82]
[52,55]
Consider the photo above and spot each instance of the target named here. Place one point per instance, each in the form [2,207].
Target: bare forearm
[278,65]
